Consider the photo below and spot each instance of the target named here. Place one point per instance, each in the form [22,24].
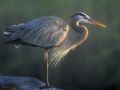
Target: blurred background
[94,65]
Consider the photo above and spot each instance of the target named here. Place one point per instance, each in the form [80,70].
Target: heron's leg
[46,67]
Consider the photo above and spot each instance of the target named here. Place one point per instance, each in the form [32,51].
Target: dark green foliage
[92,66]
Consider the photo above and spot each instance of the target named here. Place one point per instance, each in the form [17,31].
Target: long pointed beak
[93,21]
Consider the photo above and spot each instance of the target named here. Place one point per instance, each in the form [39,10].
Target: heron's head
[84,18]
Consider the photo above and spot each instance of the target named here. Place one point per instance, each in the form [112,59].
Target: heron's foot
[46,86]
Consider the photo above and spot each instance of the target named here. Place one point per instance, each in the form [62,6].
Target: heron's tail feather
[12,33]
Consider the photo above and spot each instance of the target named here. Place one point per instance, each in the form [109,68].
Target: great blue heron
[53,34]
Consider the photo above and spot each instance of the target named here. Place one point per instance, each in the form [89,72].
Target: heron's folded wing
[45,32]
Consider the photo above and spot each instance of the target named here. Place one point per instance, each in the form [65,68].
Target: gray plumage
[44,32]
[53,34]
[47,32]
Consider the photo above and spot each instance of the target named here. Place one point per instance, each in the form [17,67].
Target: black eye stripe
[81,14]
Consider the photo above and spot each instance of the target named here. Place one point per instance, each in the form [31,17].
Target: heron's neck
[80,29]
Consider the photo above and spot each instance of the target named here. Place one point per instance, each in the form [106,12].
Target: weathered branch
[23,83]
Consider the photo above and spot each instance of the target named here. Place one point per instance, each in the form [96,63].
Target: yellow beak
[97,23]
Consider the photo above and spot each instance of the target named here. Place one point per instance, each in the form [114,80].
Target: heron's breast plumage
[74,38]
[64,37]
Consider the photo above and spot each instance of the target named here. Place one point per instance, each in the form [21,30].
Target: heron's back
[44,32]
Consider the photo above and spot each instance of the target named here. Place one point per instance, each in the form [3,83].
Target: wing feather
[45,32]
